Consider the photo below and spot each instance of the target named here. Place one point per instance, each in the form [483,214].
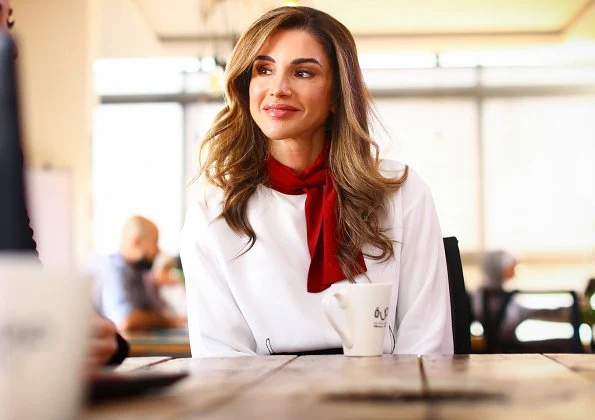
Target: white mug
[365,310]
[44,331]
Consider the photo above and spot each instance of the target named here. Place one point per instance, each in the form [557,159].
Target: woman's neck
[295,154]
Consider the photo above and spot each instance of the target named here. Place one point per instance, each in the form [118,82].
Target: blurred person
[501,310]
[163,271]
[126,289]
[497,268]
[106,345]
[295,199]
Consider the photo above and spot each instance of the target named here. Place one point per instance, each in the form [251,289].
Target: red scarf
[316,181]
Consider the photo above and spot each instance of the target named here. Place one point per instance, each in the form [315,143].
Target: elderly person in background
[498,267]
[126,289]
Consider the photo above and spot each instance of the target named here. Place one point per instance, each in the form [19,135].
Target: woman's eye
[303,73]
[263,70]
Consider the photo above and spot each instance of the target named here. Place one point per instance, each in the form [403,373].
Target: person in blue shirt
[125,289]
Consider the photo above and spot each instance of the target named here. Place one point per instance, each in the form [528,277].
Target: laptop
[17,236]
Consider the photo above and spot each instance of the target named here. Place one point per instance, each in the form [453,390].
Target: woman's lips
[279,110]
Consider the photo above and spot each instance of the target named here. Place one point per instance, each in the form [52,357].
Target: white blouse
[257,303]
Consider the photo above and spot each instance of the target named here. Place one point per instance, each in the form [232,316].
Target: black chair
[459,298]
[588,310]
[590,288]
[494,304]
[495,307]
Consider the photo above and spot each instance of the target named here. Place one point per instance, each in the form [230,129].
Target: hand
[163,272]
[103,343]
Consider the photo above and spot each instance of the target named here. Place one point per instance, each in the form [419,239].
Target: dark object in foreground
[113,385]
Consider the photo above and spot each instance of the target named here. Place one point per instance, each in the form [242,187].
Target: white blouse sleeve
[423,306]
[215,323]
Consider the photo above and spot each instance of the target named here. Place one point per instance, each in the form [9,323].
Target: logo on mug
[21,335]
[380,317]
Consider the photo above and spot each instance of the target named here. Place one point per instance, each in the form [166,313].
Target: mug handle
[343,304]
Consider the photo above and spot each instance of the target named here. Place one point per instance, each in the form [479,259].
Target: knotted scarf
[316,181]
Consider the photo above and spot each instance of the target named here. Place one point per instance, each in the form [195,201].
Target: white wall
[57,48]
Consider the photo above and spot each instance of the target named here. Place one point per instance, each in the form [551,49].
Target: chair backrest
[590,288]
[459,299]
[504,311]
[494,307]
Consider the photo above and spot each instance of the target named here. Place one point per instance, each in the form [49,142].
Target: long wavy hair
[237,150]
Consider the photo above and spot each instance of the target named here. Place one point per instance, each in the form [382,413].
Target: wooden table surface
[551,386]
[211,383]
[133,363]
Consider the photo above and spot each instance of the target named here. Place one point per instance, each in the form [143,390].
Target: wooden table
[135,363]
[212,383]
[172,342]
[392,386]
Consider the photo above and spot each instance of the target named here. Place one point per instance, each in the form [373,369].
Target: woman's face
[291,87]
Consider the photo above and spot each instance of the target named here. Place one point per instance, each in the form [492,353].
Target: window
[539,173]
[138,168]
[438,139]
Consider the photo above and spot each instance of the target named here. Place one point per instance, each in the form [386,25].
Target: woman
[294,200]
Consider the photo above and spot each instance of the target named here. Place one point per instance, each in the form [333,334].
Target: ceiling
[192,26]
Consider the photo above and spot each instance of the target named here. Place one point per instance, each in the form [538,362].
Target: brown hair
[237,149]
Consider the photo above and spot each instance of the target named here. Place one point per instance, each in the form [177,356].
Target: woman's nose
[280,86]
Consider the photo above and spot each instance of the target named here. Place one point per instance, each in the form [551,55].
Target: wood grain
[326,387]
[211,382]
[583,364]
[132,363]
[485,387]
[461,387]
[512,386]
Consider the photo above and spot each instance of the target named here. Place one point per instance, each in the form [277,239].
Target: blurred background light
[538,330]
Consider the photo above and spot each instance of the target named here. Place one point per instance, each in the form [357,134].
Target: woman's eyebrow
[296,61]
[265,58]
[306,60]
